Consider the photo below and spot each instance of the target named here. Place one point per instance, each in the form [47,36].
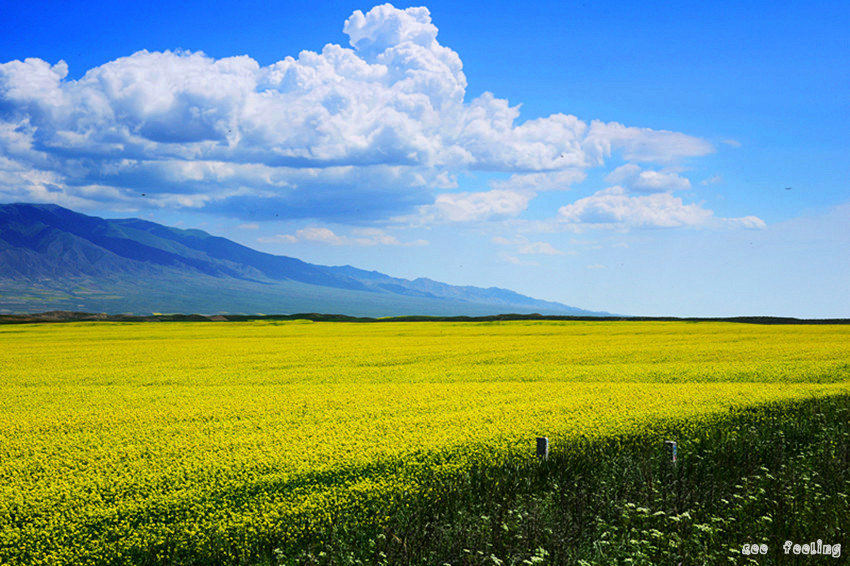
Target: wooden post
[543,447]
[671,446]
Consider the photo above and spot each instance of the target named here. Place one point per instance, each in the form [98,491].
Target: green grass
[767,476]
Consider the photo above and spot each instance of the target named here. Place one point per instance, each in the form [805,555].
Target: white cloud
[322,235]
[641,144]
[517,261]
[378,125]
[544,248]
[713,180]
[614,207]
[632,177]
[278,239]
[623,173]
[469,207]
[539,182]
[525,247]
[374,236]
[752,222]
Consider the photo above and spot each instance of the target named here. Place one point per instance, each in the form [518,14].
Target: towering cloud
[383,124]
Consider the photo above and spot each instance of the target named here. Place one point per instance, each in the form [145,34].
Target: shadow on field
[765,475]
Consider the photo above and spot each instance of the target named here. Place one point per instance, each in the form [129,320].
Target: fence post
[671,446]
[543,447]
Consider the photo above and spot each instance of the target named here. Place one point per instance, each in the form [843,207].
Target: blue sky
[654,158]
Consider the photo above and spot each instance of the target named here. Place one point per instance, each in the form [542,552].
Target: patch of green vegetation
[758,476]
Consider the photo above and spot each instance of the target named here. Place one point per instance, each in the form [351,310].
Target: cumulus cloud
[632,177]
[321,235]
[379,125]
[469,207]
[643,198]
[615,207]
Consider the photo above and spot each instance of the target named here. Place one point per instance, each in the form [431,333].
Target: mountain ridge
[53,258]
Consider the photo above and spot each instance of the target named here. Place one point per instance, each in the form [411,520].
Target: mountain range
[52,258]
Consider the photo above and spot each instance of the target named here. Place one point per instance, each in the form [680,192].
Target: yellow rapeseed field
[122,440]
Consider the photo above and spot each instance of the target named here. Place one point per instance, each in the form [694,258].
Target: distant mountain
[52,258]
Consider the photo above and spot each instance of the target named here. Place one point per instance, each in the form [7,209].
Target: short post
[543,447]
[671,447]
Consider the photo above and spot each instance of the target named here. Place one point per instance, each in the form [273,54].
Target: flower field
[190,442]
